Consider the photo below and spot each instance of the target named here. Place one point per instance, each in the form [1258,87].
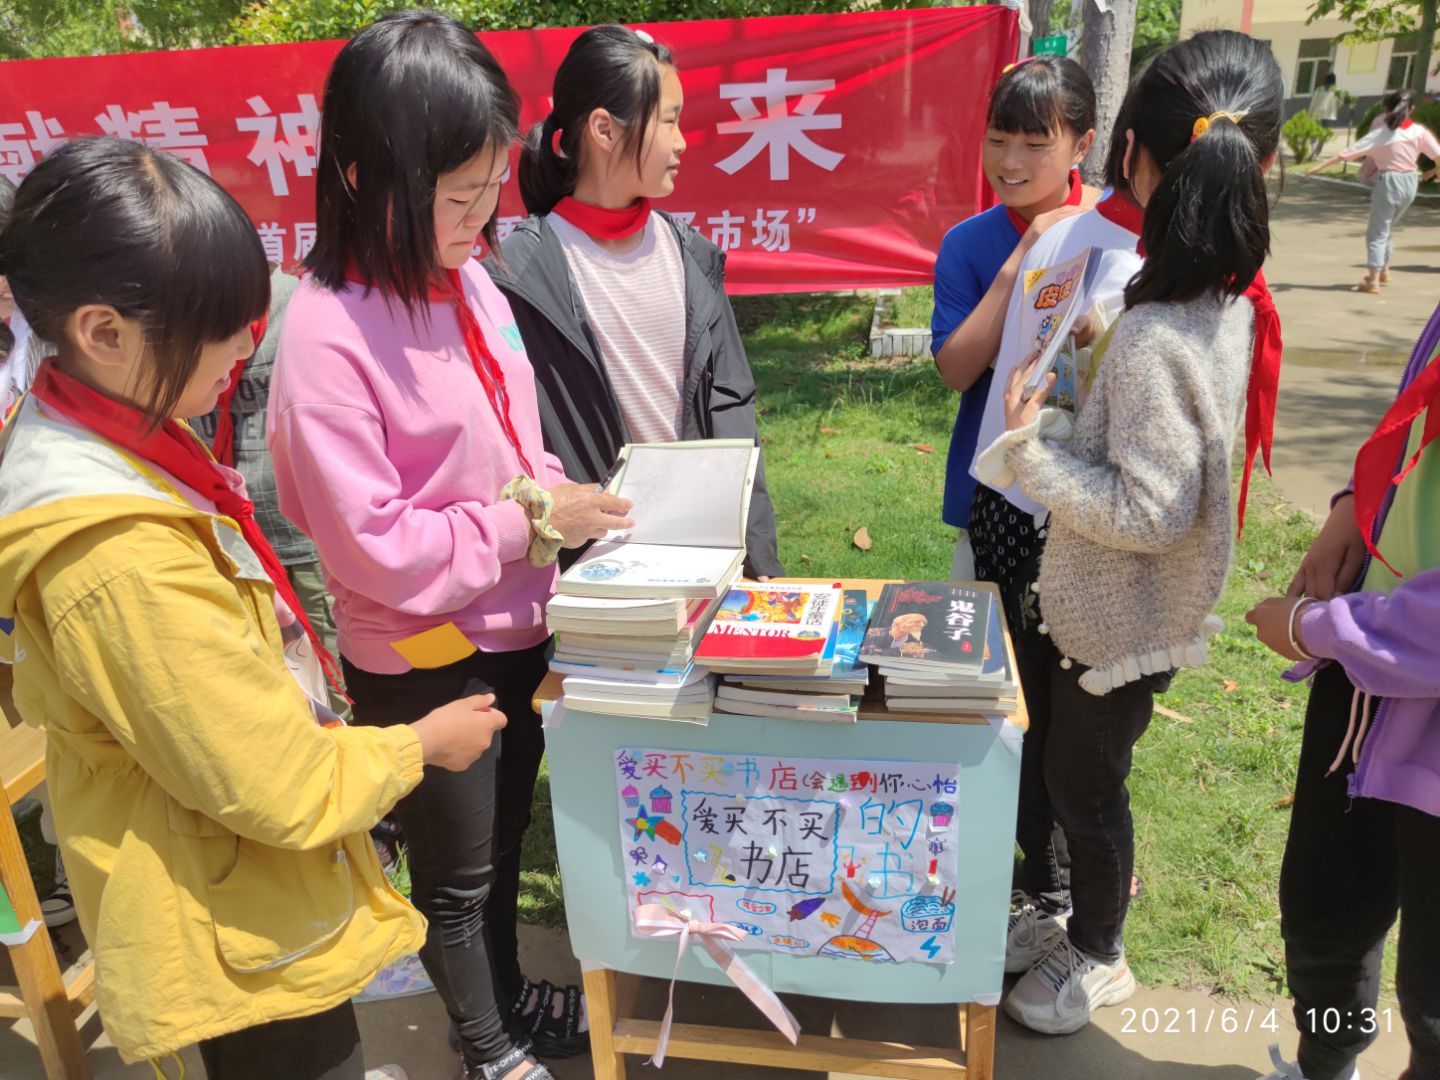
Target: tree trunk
[1105,54]
[1040,15]
[1421,73]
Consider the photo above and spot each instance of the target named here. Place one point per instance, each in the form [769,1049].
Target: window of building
[1402,61]
[1317,57]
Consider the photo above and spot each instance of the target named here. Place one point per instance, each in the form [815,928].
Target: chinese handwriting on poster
[837,858]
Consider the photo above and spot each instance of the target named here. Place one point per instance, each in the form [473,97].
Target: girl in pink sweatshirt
[406,440]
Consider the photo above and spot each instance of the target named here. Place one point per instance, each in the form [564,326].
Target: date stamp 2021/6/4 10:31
[1235,1020]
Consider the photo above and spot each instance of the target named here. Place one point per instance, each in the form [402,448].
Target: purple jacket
[1389,646]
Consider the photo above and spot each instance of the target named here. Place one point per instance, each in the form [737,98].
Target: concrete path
[1344,350]
[412,1032]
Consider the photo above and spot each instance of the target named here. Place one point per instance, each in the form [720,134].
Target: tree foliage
[1375,20]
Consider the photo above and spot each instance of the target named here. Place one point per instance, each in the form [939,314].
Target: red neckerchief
[1072,198]
[601,222]
[1387,445]
[224,446]
[174,449]
[1120,209]
[1263,389]
[487,368]
[1403,125]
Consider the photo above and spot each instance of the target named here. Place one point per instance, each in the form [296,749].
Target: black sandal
[555,1036]
[497,1069]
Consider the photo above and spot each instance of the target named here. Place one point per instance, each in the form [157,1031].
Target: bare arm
[971,347]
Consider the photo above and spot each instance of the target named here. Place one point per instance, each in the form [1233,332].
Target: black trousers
[463,834]
[1007,549]
[1350,866]
[325,1046]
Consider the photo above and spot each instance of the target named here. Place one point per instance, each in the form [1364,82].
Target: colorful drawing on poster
[786,844]
[688,904]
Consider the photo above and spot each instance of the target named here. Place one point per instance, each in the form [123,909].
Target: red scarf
[1387,445]
[1403,125]
[1120,209]
[1072,198]
[224,443]
[487,368]
[174,449]
[1264,387]
[601,222]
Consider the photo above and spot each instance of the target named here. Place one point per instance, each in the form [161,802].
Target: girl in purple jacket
[1364,840]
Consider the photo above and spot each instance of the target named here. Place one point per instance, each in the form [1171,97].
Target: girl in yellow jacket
[214,831]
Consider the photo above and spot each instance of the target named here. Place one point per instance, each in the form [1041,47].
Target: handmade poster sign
[838,858]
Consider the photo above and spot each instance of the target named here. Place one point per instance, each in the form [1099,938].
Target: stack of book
[940,647]
[788,651]
[631,611]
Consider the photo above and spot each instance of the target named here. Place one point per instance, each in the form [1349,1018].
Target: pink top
[1395,149]
[388,454]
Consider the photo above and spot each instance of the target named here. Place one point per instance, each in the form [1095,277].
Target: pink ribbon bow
[655,921]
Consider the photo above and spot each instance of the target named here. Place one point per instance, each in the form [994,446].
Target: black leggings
[463,833]
[1350,866]
[325,1046]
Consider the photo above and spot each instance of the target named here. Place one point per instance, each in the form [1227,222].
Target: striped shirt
[636,303]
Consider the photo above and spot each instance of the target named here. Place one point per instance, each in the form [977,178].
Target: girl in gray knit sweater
[1139,534]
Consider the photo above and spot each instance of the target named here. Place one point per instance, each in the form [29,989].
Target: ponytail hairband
[1011,67]
[1204,123]
[554,139]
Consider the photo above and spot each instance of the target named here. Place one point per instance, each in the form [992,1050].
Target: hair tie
[1011,67]
[1204,123]
[643,36]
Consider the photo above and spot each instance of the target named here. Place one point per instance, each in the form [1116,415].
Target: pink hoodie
[388,454]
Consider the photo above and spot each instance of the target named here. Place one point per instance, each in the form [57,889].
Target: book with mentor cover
[772,627]
[691,502]
[928,626]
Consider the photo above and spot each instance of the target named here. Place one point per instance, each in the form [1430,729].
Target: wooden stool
[43,995]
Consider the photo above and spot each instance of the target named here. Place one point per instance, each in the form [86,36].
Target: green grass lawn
[851,442]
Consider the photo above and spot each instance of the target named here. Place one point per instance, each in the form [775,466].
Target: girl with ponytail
[1391,152]
[621,307]
[1137,487]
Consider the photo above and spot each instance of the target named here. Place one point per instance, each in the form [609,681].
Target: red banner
[825,151]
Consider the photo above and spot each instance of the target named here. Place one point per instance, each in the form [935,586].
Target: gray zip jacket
[578,409]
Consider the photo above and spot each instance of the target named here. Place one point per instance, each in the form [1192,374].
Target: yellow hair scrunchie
[1205,123]
[538,504]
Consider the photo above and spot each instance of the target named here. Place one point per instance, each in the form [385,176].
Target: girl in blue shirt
[1040,126]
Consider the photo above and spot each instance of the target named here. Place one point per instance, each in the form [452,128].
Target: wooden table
[591,862]
[43,995]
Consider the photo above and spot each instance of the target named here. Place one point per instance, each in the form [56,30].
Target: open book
[691,504]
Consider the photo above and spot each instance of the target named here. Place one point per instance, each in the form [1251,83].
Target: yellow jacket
[215,836]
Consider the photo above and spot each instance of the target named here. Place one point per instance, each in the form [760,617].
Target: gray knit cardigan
[1139,537]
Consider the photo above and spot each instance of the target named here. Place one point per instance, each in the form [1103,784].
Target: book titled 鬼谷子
[690,504]
[928,625]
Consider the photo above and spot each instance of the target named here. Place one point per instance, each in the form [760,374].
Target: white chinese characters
[779,129]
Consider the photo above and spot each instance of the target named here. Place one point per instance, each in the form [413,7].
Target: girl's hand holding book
[455,735]
[1020,410]
[583,514]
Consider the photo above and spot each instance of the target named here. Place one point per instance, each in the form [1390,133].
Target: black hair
[1207,224]
[1397,107]
[1329,79]
[103,220]
[1043,95]
[607,67]
[410,97]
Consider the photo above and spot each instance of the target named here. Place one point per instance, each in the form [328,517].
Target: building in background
[1307,52]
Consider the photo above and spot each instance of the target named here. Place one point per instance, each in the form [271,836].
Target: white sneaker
[1058,995]
[386,1072]
[1290,1070]
[1032,933]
